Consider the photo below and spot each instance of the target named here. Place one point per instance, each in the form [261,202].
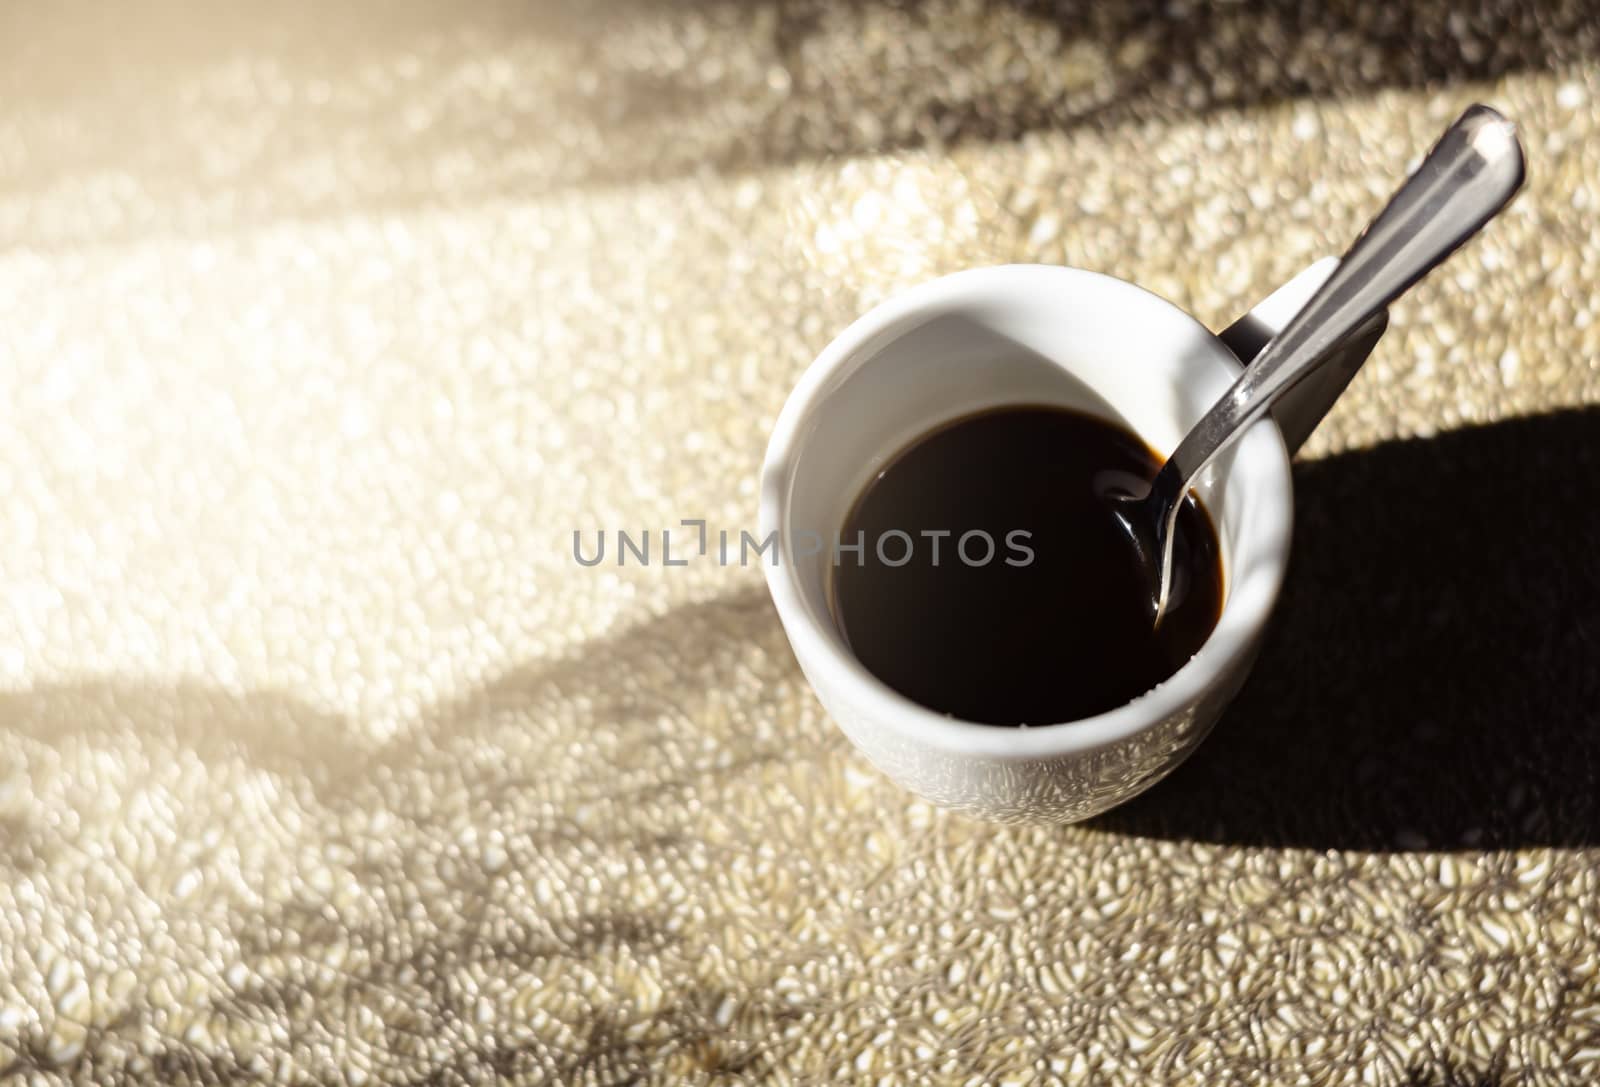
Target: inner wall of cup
[1156,377]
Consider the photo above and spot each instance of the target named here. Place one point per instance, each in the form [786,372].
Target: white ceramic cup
[1030,334]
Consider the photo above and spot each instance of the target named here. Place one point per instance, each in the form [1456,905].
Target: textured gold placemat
[322,331]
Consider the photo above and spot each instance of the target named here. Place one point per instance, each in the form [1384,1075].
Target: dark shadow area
[1448,1074]
[939,79]
[1432,680]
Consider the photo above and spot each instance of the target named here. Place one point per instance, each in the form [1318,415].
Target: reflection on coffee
[995,586]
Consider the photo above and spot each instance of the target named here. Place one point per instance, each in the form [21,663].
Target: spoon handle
[1471,173]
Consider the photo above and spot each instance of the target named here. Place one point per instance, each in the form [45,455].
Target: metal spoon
[1471,173]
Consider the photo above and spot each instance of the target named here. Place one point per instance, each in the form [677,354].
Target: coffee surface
[993,583]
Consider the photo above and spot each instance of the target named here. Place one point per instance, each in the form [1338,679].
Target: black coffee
[994,585]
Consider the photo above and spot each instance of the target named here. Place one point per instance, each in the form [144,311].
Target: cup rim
[818,641]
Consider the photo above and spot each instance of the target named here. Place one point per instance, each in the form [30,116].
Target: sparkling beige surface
[323,761]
